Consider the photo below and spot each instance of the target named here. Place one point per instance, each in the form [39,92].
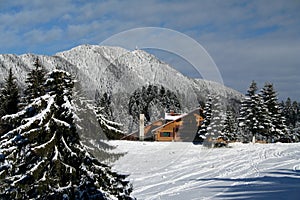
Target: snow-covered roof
[173,116]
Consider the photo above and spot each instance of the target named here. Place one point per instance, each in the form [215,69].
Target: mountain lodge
[174,127]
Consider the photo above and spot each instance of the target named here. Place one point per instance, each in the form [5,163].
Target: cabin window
[165,134]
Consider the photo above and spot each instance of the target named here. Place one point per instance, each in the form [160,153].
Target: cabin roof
[173,116]
[179,117]
[150,126]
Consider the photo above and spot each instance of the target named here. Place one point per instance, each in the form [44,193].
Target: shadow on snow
[281,184]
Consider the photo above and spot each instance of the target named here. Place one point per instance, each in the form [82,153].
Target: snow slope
[187,171]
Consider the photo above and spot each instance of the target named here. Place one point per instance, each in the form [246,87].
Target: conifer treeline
[143,99]
[41,155]
[261,117]
[151,100]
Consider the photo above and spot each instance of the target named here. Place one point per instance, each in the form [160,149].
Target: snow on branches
[43,154]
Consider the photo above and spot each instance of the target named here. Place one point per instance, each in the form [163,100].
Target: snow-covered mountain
[119,72]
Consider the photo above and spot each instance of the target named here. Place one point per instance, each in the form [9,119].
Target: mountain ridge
[119,72]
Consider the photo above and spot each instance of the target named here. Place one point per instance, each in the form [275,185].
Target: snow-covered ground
[166,170]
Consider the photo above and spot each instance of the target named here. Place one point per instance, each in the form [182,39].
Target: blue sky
[248,40]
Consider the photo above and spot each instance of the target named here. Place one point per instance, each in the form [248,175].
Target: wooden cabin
[174,127]
[182,127]
[147,131]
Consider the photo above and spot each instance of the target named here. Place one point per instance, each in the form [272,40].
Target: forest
[260,118]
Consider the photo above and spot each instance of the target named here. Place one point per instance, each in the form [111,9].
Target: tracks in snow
[177,170]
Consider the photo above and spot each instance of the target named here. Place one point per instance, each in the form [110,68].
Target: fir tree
[9,95]
[104,101]
[263,120]
[103,112]
[297,107]
[230,126]
[144,98]
[291,112]
[44,154]
[275,128]
[9,101]
[35,82]
[207,113]
[295,114]
[216,125]
[249,113]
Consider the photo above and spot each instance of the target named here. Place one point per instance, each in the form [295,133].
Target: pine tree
[45,158]
[249,112]
[103,112]
[104,102]
[136,104]
[35,82]
[291,112]
[9,101]
[144,98]
[276,128]
[216,125]
[207,113]
[287,110]
[295,114]
[9,95]
[230,126]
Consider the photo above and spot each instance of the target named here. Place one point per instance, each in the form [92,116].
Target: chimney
[172,112]
[141,135]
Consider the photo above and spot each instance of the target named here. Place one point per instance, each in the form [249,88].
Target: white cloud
[251,39]
[38,37]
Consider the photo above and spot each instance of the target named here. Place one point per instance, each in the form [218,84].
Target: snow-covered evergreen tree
[291,112]
[9,95]
[103,111]
[44,157]
[295,131]
[213,125]
[144,98]
[288,111]
[275,128]
[261,115]
[263,120]
[295,114]
[216,125]
[230,126]
[297,108]
[207,113]
[104,101]
[171,102]
[249,113]
[35,82]
[9,98]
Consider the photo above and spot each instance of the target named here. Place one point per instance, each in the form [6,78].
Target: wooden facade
[175,127]
[147,131]
[167,132]
[184,128]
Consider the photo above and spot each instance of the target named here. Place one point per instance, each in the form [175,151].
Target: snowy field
[166,170]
